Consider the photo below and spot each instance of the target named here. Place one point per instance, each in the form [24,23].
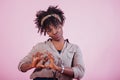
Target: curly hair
[43,18]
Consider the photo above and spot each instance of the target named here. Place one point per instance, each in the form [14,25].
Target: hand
[36,58]
[51,65]
[41,64]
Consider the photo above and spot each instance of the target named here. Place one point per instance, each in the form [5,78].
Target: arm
[78,64]
[67,71]
[26,66]
[25,63]
[64,70]
[33,64]
[77,70]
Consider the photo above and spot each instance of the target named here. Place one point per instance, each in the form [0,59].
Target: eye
[48,30]
[59,27]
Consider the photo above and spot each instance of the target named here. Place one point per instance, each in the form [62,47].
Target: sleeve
[28,58]
[78,64]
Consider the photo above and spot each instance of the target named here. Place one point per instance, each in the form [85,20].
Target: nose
[54,31]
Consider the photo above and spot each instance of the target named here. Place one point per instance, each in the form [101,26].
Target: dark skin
[58,41]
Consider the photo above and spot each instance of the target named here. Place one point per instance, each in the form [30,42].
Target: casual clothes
[69,56]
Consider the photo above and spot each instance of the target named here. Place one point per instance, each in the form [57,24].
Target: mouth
[56,37]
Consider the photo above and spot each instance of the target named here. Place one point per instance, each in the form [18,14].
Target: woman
[56,58]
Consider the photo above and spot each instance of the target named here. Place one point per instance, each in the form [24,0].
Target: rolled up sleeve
[78,64]
[28,58]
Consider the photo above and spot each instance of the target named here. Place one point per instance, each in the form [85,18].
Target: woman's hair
[53,16]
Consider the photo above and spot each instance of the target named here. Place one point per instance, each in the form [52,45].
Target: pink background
[92,24]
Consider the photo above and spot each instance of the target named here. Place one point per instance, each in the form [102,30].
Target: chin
[57,39]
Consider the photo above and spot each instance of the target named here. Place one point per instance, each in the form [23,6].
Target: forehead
[53,26]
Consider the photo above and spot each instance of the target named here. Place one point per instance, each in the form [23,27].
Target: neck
[58,44]
[58,41]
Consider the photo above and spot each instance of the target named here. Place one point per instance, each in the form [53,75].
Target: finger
[33,56]
[47,67]
[50,55]
[40,66]
[37,54]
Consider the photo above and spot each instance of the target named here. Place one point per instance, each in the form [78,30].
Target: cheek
[49,34]
[61,31]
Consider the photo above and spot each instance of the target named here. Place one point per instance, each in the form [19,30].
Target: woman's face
[56,33]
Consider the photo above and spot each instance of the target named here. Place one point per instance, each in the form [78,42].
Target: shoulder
[73,46]
[40,46]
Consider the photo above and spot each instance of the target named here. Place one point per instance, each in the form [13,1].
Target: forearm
[26,66]
[67,71]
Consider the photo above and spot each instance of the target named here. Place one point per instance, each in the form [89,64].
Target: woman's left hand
[51,65]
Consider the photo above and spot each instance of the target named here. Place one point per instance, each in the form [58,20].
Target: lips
[56,36]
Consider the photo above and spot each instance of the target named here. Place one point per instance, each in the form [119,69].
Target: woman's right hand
[35,59]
